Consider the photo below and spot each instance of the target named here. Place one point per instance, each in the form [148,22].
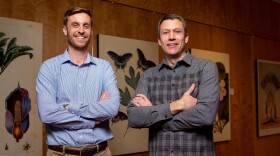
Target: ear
[186,38]
[64,29]
[159,41]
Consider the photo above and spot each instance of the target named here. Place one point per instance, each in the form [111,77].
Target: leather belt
[80,151]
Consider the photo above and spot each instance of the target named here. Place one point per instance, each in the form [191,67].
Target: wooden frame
[268,97]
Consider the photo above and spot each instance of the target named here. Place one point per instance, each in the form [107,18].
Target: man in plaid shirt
[178,99]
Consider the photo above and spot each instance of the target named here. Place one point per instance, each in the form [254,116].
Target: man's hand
[141,100]
[186,102]
[104,95]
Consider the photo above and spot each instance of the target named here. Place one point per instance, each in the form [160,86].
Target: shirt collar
[66,58]
[187,61]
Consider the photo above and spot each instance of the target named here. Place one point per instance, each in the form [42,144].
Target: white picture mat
[136,140]
[22,71]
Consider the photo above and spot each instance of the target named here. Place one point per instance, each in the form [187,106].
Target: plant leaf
[125,96]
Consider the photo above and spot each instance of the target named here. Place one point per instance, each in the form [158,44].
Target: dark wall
[246,30]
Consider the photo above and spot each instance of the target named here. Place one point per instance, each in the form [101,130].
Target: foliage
[132,82]
[12,51]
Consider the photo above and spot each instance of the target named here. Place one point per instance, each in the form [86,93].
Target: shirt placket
[79,95]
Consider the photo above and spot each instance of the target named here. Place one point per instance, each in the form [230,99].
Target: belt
[80,151]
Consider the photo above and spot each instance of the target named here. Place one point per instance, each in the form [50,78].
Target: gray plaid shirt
[188,133]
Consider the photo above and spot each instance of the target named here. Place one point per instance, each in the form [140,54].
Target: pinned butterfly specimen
[142,62]
[120,61]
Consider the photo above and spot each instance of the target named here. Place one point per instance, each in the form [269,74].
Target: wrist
[175,107]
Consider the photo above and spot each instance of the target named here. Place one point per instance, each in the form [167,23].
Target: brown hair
[172,17]
[75,10]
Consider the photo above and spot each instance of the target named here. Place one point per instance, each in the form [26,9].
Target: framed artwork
[129,58]
[268,97]
[222,124]
[20,59]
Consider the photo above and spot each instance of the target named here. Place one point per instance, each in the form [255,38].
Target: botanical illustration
[18,103]
[20,58]
[268,97]
[120,61]
[18,106]
[222,116]
[12,51]
[129,58]
[270,84]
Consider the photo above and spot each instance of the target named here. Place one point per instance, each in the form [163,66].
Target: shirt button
[80,85]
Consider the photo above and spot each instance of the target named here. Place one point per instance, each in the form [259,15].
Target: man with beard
[77,94]
[178,99]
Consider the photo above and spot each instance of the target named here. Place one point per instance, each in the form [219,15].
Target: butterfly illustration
[120,61]
[142,62]
[120,117]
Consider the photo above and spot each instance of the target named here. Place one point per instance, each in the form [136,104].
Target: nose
[81,30]
[171,36]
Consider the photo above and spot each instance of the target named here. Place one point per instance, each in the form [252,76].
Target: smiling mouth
[80,37]
[171,45]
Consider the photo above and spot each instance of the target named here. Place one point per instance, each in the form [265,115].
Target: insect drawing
[142,62]
[120,61]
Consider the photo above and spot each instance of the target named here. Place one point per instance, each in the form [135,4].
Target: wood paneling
[267,50]
[246,30]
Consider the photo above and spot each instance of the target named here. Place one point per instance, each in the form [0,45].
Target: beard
[78,46]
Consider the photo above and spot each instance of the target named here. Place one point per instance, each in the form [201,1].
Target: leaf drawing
[125,94]
[12,51]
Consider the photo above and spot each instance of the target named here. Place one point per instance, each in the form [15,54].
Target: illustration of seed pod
[18,106]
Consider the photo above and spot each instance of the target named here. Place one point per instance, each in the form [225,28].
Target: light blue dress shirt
[62,82]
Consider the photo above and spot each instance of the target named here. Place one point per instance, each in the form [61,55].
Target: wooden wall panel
[118,20]
[267,50]
[222,26]
[265,18]
[234,15]
[237,46]
[258,17]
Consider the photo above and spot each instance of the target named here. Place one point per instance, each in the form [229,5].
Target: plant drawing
[12,51]
[222,117]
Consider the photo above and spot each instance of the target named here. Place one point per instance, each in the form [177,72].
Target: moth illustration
[120,61]
[142,62]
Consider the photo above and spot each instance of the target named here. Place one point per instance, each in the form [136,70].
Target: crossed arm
[188,112]
[52,112]
[184,103]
